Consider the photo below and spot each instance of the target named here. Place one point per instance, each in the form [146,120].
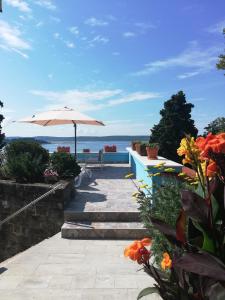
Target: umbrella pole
[75,140]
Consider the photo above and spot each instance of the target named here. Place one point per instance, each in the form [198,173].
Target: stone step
[101,216]
[102,230]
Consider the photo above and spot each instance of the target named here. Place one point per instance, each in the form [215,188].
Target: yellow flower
[166,263]
[160,165]
[169,170]
[141,180]
[143,186]
[189,149]
[150,174]
[182,174]
[194,183]
[136,194]
[130,175]
[157,174]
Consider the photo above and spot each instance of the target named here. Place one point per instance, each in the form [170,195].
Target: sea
[94,146]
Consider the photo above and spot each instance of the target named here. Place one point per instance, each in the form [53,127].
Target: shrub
[26,161]
[165,205]
[65,164]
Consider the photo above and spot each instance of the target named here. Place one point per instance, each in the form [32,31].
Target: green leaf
[147,291]
[208,244]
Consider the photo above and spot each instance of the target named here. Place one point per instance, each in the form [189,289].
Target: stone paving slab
[107,190]
[63,269]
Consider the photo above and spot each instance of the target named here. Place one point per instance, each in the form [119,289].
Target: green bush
[26,161]
[163,204]
[65,164]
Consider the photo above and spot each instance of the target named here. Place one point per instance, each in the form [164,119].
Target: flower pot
[133,145]
[152,153]
[141,149]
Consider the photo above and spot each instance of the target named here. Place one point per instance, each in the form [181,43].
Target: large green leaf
[147,291]
[208,244]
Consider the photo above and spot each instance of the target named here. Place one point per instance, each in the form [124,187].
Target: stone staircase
[102,225]
[104,208]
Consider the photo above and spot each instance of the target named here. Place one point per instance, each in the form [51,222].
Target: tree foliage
[216,126]
[2,135]
[221,64]
[174,124]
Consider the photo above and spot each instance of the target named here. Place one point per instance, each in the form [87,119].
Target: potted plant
[133,145]
[152,150]
[141,148]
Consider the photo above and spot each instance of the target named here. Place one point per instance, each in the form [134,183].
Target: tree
[174,124]
[2,135]
[216,126]
[221,64]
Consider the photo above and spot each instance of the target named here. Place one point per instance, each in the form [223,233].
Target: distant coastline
[53,139]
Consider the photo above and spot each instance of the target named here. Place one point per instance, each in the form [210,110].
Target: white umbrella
[62,116]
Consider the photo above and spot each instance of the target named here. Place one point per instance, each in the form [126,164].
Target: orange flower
[212,169]
[166,262]
[211,143]
[137,251]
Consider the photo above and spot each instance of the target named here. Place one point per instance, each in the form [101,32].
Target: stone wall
[36,223]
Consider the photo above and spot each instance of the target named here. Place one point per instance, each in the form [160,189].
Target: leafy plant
[164,204]
[65,164]
[196,264]
[26,161]
[152,145]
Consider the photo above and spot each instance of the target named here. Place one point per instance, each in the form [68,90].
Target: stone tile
[10,282]
[83,281]
[35,282]
[106,281]
[126,281]
[60,282]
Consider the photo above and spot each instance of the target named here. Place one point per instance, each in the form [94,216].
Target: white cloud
[39,24]
[188,75]
[98,39]
[217,28]
[144,27]
[56,35]
[10,39]
[21,5]
[129,34]
[70,44]
[194,58]
[55,19]
[92,100]
[48,4]
[74,30]
[93,22]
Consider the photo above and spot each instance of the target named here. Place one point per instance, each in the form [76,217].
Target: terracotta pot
[152,153]
[141,150]
[133,146]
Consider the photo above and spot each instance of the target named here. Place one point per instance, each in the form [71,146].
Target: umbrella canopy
[60,117]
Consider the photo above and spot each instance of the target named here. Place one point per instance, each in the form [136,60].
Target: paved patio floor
[71,270]
[107,190]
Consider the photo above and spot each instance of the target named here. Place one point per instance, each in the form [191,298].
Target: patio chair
[98,160]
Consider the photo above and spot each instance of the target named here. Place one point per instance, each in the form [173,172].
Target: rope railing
[29,205]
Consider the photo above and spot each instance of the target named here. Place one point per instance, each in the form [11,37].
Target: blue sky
[117,61]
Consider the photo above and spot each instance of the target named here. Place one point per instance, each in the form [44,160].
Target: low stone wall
[36,223]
